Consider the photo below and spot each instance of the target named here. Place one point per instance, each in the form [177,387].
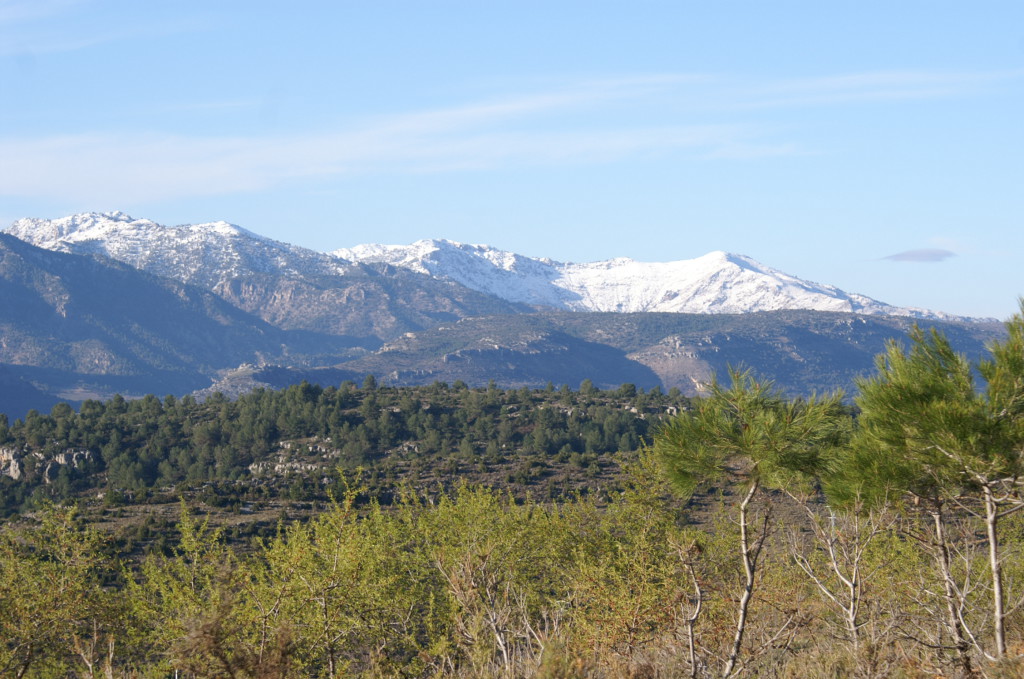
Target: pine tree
[926,430]
[754,436]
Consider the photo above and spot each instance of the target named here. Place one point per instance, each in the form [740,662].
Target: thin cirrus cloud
[511,132]
[19,37]
[30,28]
[485,135]
[157,167]
[921,255]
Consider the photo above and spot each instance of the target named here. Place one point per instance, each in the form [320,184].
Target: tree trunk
[749,555]
[998,614]
[952,599]
[691,621]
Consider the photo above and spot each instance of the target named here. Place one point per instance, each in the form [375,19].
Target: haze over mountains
[106,303]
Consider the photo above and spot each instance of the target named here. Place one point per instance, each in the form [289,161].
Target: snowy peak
[204,254]
[52,231]
[717,282]
[101,226]
[214,254]
[428,256]
[506,275]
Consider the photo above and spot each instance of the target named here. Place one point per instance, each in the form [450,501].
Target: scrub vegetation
[752,535]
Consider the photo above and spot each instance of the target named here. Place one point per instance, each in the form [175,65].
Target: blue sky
[875,146]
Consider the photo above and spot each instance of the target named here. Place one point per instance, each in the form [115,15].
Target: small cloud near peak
[921,255]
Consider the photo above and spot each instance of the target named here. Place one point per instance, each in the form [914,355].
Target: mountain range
[716,283]
[97,303]
[217,255]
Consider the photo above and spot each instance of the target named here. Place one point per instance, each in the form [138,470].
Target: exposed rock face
[302,457]
[71,457]
[12,461]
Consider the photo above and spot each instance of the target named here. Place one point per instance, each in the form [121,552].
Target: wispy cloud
[552,127]
[109,168]
[55,44]
[22,35]
[483,135]
[921,255]
[586,94]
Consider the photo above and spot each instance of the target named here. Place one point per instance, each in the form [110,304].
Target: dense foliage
[291,442]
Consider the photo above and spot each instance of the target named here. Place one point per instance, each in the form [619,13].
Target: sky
[874,146]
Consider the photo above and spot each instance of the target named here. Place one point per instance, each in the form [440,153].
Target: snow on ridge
[204,254]
[504,274]
[717,282]
[213,253]
[111,225]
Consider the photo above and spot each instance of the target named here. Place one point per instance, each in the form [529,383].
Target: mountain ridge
[243,311]
[82,327]
[717,282]
[204,254]
[288,286]
[215,255]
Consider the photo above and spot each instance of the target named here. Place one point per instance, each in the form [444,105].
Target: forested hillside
[291,443]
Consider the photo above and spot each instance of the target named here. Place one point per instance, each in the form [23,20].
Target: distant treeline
[133,448]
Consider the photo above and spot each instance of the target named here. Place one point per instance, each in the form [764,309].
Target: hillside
[289,287]
[803,351]
[77,327]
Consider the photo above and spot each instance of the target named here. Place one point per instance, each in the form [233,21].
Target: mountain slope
[77,327]
[718,282]
[206,255]
[522,350]
[365,290]
[803,351]
[208,298]
[287,286]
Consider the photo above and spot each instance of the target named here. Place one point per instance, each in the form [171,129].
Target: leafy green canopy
[925,428]
[751,431]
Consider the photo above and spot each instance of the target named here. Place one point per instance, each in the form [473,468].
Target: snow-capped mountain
[288,286]
[216,256]
[200,254]
[718,282]
[77,325]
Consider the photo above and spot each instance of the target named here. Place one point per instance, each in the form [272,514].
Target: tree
[751,434]
[935,436]
[52,608]
[915,395]
[195,610]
